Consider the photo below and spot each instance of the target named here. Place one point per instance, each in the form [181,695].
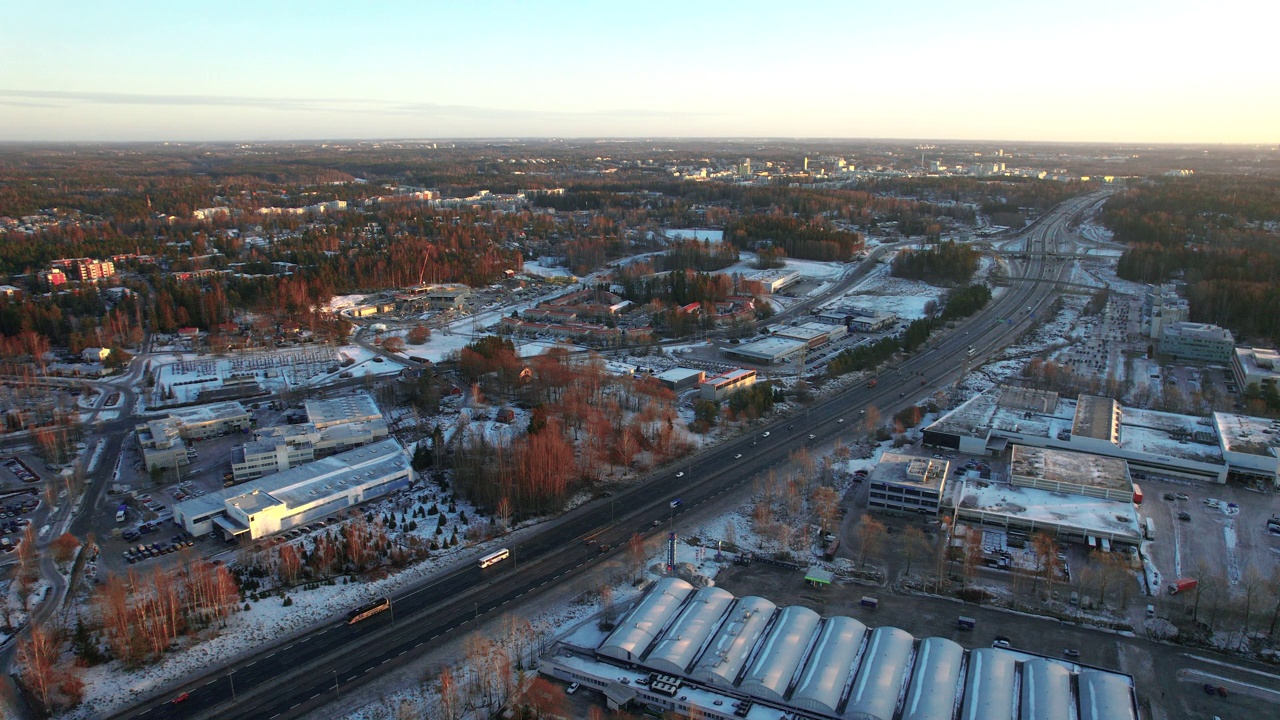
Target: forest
[946,262]
[1218,234]
[806,240]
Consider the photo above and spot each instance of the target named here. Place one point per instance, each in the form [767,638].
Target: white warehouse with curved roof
[729,649]
[780,655]
[682,650]
[830,666]
[686,636]
[935,683]
[633,636]
[879,684]
[1046,691]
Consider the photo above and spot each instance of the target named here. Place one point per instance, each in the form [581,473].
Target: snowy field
[532,267]
[701,235]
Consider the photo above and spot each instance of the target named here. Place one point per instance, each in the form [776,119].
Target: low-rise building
[95,354]
[1197,341]
[907,484]
[162,441]
[300,495]
[678,379]
[333,426]
[769,351]
[1072,473]
[721,386]
[1255,366]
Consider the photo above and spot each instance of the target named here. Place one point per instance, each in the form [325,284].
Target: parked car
[1071,653]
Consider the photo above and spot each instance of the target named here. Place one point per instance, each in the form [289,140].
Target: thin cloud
[57,98]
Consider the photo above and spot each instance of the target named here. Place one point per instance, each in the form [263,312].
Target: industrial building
[769,351]
[300,495]
[1071,473]
[677,379]
[905,483]
[767,282]
[721,386]
[1255,366]
[1197,341]
[815,334]
[162,441]
[708,653]
[859,319]
[1157,443]
[332,426]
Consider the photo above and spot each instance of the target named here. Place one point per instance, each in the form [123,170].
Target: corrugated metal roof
[1105,696]
[830,665]
[731,646]
[935,682]
[884,666]
[988,691]
[633,635]
[686,636]
[781,653]
[1046,691]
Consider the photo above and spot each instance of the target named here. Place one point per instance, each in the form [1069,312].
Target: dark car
[1069,652]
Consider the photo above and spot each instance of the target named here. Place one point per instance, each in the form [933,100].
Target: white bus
[494,557]
[1151,529]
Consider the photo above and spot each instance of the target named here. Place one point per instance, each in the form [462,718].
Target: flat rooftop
[802,332]
[770,347]
[201,414]
[307,483]
[350,408]
[1085,513]
[1096,418]
[1066,466]
[1248,435]
[913,470]
[678,374]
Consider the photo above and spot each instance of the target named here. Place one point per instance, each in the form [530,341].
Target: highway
[296,679]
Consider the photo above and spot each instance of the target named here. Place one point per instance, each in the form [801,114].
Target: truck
[966,623]
[1182,585]
[872,382]
[1137,494]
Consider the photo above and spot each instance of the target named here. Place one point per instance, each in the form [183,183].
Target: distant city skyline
[1088,71]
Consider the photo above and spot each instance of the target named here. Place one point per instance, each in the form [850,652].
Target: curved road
[296,679]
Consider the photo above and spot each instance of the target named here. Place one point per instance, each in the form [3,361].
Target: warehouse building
[677,379]
[162,441]
[1255,366]
[723,385]
[332,426]
[1071,473]
[769,351]
[300,495]
[1157,443]
[708,653]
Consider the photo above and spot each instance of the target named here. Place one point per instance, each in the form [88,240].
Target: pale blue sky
[1140,71]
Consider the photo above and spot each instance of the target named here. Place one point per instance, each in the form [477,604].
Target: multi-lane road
[293,680]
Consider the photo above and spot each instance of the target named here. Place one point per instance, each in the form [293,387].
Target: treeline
[947,261]
[962,302]
[1216,233]
[700,256]
[679,287]
[804,239]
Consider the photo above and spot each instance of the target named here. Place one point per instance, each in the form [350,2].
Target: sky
[1172,71]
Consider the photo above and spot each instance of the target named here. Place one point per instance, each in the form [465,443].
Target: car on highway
[738,456]
[840,420]
[1072,653]
[181,698]
[766,434]
[680,474]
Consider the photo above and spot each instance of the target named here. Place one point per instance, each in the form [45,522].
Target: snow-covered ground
[533,267]
[187,374]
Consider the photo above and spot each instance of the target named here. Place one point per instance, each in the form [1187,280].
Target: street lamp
[232,677]
[336,691]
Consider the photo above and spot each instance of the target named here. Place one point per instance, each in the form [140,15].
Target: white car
[680,474]
[573,688]
[738,456]
[840,420]
[766,434]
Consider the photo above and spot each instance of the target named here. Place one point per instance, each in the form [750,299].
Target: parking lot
[1224,530]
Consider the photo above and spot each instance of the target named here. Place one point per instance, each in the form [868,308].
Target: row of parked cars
[21,471]
[155,549]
